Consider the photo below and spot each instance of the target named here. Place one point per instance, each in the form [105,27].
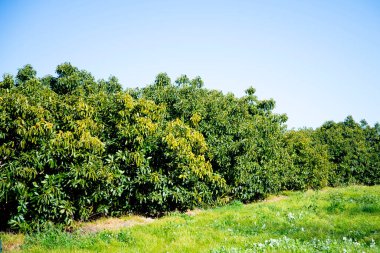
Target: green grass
[331,220]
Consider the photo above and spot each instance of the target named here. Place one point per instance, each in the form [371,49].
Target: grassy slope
[332,220]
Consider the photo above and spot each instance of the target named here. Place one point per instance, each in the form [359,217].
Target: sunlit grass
[331,220]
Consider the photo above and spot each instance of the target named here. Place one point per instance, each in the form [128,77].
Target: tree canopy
[74,148]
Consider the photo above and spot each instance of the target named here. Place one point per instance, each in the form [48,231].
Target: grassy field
[331,220]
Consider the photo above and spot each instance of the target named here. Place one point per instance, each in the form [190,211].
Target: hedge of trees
[74,148]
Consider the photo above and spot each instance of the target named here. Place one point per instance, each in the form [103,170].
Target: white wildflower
[290,216]
[373,243]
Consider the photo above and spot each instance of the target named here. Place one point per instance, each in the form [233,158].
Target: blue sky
[319,59]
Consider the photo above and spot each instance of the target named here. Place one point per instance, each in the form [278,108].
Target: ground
[333,220]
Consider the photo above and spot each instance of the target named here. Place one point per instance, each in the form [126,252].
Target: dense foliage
[75,148]
[243,135]
[353,150]
[309,166]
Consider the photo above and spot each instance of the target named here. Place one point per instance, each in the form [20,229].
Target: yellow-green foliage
[72,148]
[309,166]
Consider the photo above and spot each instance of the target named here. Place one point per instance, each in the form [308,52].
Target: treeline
[73,148]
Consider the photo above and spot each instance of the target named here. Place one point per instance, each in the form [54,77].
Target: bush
[244,136]
[353,150]
[309,166]
[72,148]
[94,150]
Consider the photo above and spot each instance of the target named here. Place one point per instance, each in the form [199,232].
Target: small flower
[373,243]
[290,216]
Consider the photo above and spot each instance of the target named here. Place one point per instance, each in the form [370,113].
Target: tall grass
[331,220]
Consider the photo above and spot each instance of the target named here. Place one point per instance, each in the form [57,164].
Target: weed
[336,202]
[337,222]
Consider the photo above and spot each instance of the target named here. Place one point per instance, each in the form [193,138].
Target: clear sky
[318,59]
